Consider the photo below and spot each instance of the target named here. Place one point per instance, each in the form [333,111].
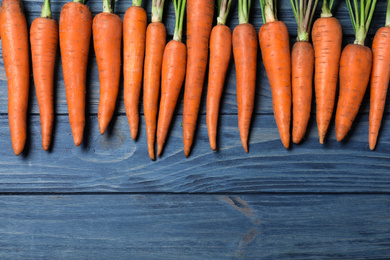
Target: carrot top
[108,6]
[361,18]
[180,6]
[304,13]
[326,9]
[79,1]
[157,10]
[137,3]
[244,7]
[268,10]
[223,10]
[46,10]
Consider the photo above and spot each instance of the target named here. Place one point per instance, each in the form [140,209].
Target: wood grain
[115,163]
[195,227]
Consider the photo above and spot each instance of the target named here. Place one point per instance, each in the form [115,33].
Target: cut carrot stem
[172,76]
[220,52]
[199,22]
[14,40]
[44,43]
[107,42]
[134,37]
[75,29]
[155,45]
[380,76]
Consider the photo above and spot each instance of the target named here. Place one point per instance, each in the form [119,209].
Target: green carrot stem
[243,10]
[46,10]
[361,18]
[157,10]
[179,12]
[137,3]
[268,10]
[304,12]
[107,8]
[79,1]
[224,7]
[326,10]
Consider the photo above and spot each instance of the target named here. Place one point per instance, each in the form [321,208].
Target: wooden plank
[263,94]
[115,163]
[195,227]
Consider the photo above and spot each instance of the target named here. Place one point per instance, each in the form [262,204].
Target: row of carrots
[150,62]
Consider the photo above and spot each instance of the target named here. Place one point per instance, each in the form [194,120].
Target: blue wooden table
[107,199]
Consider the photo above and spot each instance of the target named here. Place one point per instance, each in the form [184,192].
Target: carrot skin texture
[155,45]
[275,49]
[355,68]
[75,36]
[14,40]
[107,42]
[245,58]
[199,23]
[380,76]
[172,78]
[44,43]
[220,52]
[302,61]
[134,36]
[327,40]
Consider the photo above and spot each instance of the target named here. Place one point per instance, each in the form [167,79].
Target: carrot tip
[159,149]
[245,146]
[213,146]
[134,134]
[321,139]
[45,147]
[187,152]
[296,140]
[78,140]
[102,129]
[372,147]
[286,142]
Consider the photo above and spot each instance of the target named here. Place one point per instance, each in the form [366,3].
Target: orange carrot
[275,49]
[44,42]
[355,69]
[14,42]
[172,77]
[380,76]
[107,42]
[75,35]
[327,39]
[245,58]
[155,44]
[302,64]
[134,35]
[199,22]
[220,50]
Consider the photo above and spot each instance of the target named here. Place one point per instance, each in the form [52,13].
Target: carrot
[245,58]
[172,77]
[220,50]
[275,49]
[199,22]
[75,35]
[327,39]
[107,42]
[380,76]
[355,68]
[302,64]
[44,42]
[155,44]
[134,35]
[14,42]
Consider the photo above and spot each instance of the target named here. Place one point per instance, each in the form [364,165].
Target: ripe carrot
[327,39]
[355,68]
[172,77]
[14,42]
[302,64]
[75,35]
[107,42]
[199,22]
[220,50]
[155,44]
[245,58]
[134,34]
[275,49]
[44,42]
[380,76]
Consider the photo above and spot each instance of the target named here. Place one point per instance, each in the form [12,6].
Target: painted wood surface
[115,163]
[195,227]
[107,198]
